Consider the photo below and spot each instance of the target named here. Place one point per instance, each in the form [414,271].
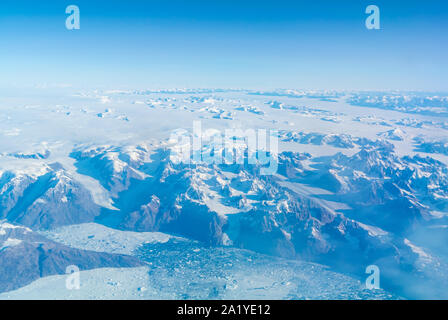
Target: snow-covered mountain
[349,191]
[47,199]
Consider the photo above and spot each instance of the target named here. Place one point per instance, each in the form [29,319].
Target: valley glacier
[89,178]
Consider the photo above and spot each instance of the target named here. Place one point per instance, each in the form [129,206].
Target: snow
[423,256]
[374,231]
[10,242]
[4,226]
[97,284]
[96,237]
[126,129]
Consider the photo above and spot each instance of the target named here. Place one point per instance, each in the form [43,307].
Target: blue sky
[225,43]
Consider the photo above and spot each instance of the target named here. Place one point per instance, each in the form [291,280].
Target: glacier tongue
[183,269]
[26,256]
